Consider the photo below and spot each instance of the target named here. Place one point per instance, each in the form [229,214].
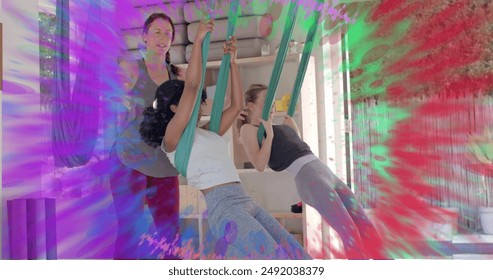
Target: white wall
[20,103]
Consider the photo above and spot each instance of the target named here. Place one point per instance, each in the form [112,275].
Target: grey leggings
[235,220]
[320,188]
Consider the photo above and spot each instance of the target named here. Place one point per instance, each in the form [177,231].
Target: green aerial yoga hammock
[185,145]
[278,65]
[222,80]
[280,61]
[186,141]
[307,50]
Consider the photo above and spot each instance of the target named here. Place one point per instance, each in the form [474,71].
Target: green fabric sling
[184,148]
[222,79]
[307,50]
[186,141]
[278,65]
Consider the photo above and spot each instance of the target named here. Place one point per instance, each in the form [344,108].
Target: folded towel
[135,17]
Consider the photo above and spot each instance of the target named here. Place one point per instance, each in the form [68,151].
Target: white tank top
[210,163]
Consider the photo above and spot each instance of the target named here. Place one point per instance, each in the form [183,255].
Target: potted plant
[481,147]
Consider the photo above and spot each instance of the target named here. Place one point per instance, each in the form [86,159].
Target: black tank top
[287,147]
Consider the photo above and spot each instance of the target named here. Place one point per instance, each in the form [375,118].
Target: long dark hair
[156,120]
[145,29]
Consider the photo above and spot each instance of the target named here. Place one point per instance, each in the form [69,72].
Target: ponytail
[175,70]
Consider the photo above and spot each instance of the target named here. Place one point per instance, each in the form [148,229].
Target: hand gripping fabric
[184,148]
[185,145]
[222,80]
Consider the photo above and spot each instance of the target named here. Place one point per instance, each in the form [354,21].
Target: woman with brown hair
[283,149]
[140,172]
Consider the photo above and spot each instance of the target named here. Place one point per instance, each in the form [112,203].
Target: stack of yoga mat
[251,28]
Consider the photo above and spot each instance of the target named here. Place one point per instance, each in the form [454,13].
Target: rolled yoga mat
[133,37]
[246,28]
[246,48]
[194,13]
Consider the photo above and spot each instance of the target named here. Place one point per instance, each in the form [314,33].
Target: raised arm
[230,115]
[258,155]
[193,76]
